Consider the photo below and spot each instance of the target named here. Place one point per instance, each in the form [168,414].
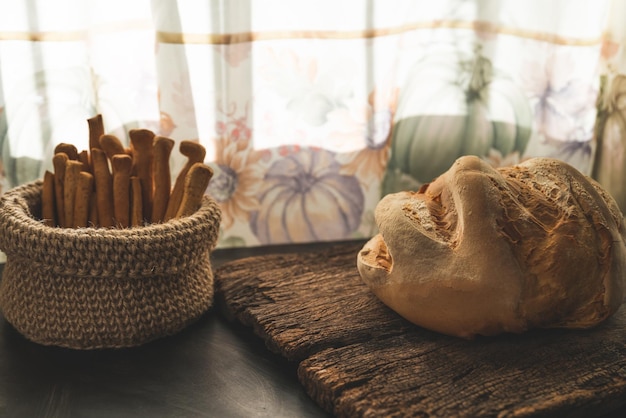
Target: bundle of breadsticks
[114,186]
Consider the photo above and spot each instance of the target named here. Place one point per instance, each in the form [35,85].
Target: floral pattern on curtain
[312,111]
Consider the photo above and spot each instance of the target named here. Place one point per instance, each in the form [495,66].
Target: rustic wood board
[358,358]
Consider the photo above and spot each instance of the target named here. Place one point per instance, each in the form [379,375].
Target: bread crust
[481,251]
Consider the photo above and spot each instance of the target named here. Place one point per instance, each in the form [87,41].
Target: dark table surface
[214,368]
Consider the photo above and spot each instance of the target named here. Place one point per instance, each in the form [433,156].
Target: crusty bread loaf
[481,251]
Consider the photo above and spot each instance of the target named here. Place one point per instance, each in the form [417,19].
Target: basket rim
[22,235]
[8,200]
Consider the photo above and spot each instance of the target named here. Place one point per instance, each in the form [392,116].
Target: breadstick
[196,183]
[136,206]
[59,161]
[83,157]
[70,185]
[104,187]
[84,187]
[141,141]
[47,200]
[111,145]
[195,153]
[96,130]
[93,208]
[122,166]
[161,175]
[68,149]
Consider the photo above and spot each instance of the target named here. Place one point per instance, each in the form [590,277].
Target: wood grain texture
[358,358]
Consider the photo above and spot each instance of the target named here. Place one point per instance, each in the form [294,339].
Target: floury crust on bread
[482,251]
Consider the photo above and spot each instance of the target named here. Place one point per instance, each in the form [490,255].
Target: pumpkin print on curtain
[54,99]
[237,180]
[305,198]
[562,92]
[610,170]
[4,182]
[454,105]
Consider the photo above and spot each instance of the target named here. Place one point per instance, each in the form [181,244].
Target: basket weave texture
[91,288]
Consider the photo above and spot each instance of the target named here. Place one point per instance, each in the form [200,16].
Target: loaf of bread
[482,251]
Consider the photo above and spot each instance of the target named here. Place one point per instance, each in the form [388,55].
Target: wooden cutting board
[358,358]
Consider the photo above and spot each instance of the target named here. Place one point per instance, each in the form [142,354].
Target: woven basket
[94,288]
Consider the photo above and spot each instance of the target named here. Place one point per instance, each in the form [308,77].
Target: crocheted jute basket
[94,288]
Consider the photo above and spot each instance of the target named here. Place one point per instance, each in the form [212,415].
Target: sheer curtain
[312,110]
